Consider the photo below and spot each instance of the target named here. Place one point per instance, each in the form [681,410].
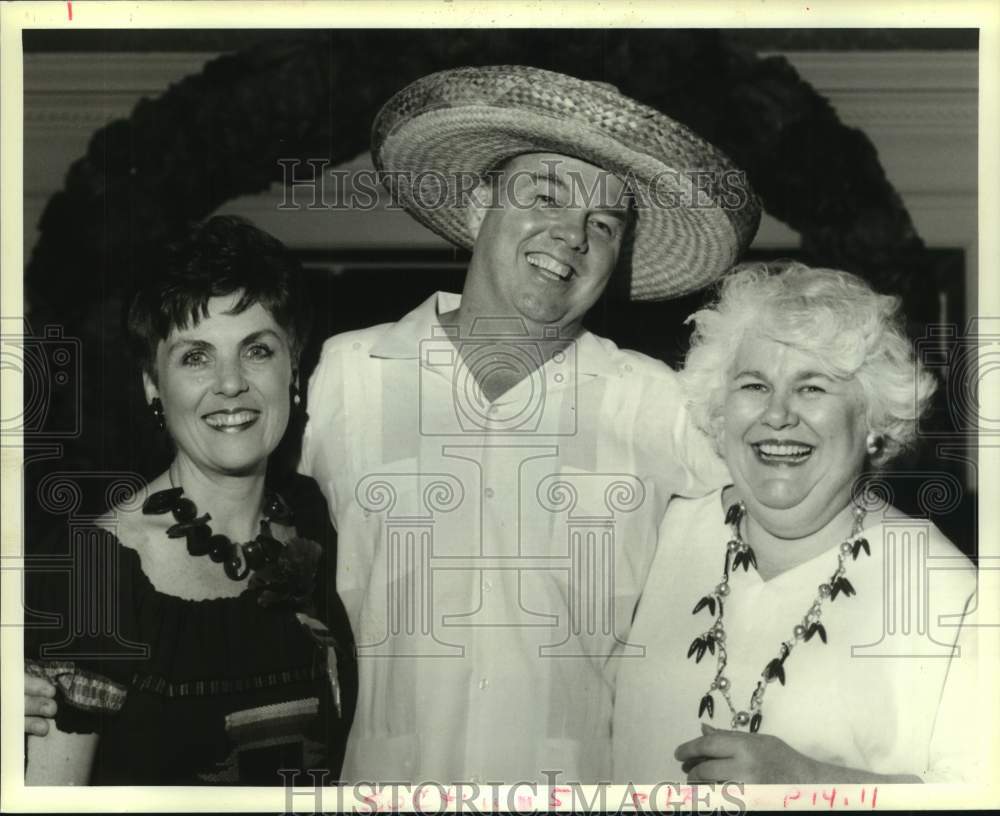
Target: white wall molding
[881,71]
[133,74]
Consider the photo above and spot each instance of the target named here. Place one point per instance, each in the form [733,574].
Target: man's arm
[60,758]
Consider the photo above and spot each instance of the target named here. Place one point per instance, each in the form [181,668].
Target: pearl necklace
[739,553]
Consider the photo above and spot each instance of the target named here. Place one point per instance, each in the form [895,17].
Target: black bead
[695,647]
[775,670]
[755,721]
[233,568]
[197,540]
[253,552]
[221,548]
[182,528]
[161,501]
[276,509]
[184,510]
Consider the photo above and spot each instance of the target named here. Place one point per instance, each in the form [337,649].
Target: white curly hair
[852,331]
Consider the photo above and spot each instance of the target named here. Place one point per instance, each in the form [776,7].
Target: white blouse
[883,695]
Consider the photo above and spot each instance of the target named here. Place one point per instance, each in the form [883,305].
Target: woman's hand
[38,704]
[761,759]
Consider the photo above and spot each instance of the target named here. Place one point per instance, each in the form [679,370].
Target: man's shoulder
[356,340]
[635,362]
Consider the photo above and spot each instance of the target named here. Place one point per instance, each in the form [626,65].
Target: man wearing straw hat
[496,472]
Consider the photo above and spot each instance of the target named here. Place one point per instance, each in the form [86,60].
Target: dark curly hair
[218,257]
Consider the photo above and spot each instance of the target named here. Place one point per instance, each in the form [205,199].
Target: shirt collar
[402,340]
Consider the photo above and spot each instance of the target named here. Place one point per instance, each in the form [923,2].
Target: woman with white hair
[786,671]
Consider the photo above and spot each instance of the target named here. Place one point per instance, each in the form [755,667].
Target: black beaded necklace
[237,559]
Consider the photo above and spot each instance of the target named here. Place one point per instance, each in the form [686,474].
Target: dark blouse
[220,691]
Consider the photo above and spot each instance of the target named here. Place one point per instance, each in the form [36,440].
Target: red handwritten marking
[831,798]
[69,8]
[554,800]
[874,797]
[789,796]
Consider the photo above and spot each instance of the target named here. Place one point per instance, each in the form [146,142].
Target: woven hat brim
[675,249]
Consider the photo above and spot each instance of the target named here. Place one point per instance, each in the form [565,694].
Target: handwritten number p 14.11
[850,798]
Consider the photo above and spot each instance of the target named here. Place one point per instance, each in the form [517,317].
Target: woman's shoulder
[951,566]
[692,520]
[707,507]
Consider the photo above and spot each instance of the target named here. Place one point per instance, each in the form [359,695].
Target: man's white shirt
[490,554]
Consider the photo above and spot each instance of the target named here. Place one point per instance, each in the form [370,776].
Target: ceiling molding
[136,74]
[881,71]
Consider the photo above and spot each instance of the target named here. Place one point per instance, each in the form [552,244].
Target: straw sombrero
[469,120]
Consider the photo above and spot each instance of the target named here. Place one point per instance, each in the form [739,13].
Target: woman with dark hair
[219,669]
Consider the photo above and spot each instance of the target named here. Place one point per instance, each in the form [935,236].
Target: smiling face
[224,385]
[793,437]
[547,248]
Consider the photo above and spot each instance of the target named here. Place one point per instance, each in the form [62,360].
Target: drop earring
[157,407]
[874,443]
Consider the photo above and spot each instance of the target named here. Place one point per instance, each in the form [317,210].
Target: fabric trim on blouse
[80,688]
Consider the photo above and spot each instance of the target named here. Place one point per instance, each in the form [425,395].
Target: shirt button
[356,346]
[627,367]
[487,586]
[484,684]
[488,492]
